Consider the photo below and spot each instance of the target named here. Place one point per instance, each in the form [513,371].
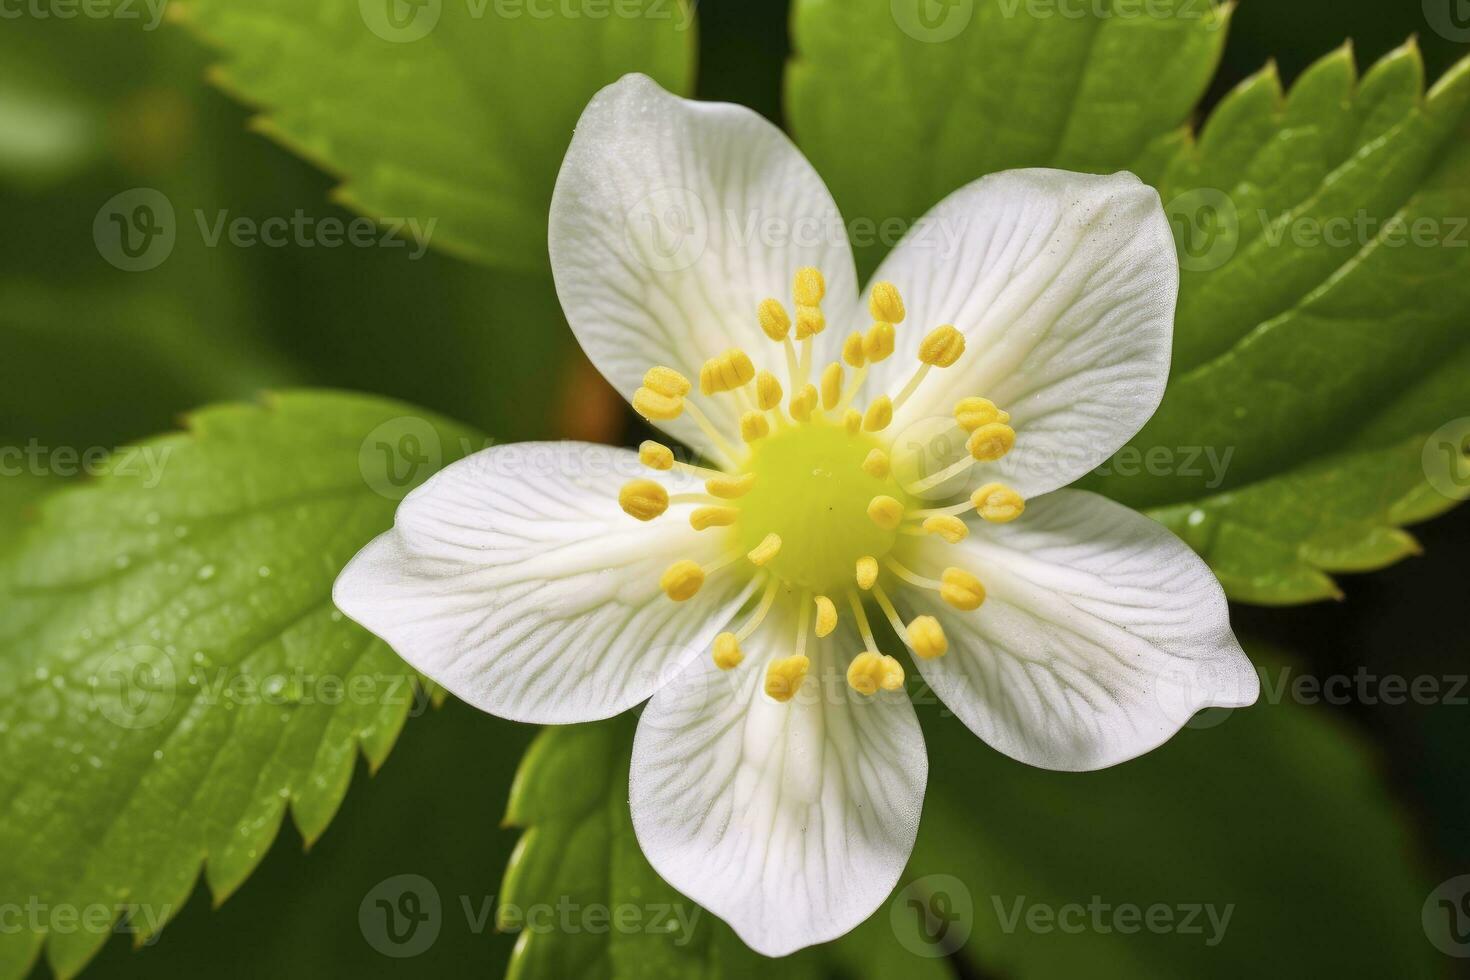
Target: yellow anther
[682,580]
[991,441]
[852,421]
[702,518]
[643,499]
[655,455]
[767,391]
[729,487]
[870,671]
[773,319]
[803,403]
[809,286]
[831,385]
[885,304]
[942,347]
[879,414]
[971,413]
[867,572]
[727,654]
[951,529]
[877,464]
[852,350]
[810,321]
[878,341]
[667,382]
[961,589]
[661,408]
[754,425]
[762,553]
[998,503]
[926,638]
[826,616]
[725,373]
[784,676]
[885,512]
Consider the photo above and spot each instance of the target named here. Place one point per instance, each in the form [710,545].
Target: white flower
[1012,342]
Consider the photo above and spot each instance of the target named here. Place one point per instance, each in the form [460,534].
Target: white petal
[1100,636]
[1064,285]
[671,221]
[792,822]
[515,580]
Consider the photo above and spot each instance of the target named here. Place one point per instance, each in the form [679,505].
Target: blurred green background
[93,356]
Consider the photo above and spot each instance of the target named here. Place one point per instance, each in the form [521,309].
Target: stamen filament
[951,471]
[804,622]
[911,577]
[912,386]
[708,428]
[759,615]
[892,614]
[869,644]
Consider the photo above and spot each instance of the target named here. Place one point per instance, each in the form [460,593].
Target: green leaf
[571,797]
[941,94]
[1322,333]
[173,675]
[455,113]
[1334,888]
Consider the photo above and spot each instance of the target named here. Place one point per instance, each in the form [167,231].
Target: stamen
[810,321]
[754,425]
[886,512]
[727,372]
[894,618]
[831,385]
[951,529]
[852,421]
[926,638]
[867,572]
[656,407]
[961,589]
[784,677]
[643,499]
[878,341]
[767,391]
[942,347]
[998,503]
[916,379]
[759,615]
[878,415]
[991,441]
[852,350]
[773,319]
[704,518]
[809,287]
[762,553]
[885,303]
[682,580]
[910,577]
[870,671]
[877,464]
[708,428]
[826,616]
[971,413]
[666,381]
[727,654]
[730,487]
[803,403]
[655,455]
